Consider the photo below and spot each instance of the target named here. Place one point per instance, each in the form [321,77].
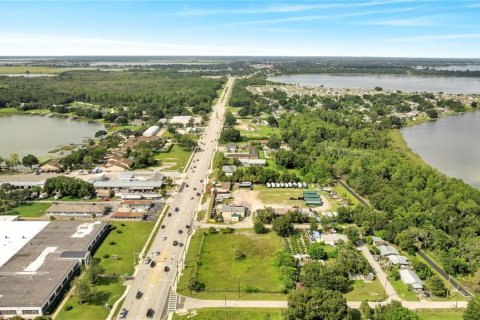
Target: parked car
[169,214]
[58,196]
[150,313]
[175,243]
[177,209]
[123,313]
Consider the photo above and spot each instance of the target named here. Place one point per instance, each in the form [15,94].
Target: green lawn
[108,291]
[177,157]
[342,192]
[402,290]
[223,275]
[440,314]
[30,210]
[271,196]
[130,241]
[233,314]
[372,291]
[256,131]
[7,111]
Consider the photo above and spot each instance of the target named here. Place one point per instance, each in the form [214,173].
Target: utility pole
[238,286]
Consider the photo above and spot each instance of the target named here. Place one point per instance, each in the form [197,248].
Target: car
[147,260]
[163,226]
[187,185]
[177,209]
[191,198]
[164,238]
[123,313]
[180,231]
[180,244]
[150,313]
[169,214]
[157,253]
[201,181]
[166,268]
[175,243]
[194,188]
[198,194]
[153,264]
[187,226]
[139,294]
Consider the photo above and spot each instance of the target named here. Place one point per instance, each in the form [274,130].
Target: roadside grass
[108,291]
[402,290]
[440,314]
[341,191]
[177,156]
[30,210]
[232,314]
[127,243]
[223,275]
[371,291]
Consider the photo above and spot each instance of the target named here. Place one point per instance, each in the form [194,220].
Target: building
[231,147]
[225,187]
[137,205]
[233,211]
[229,170]
[398,260]
[183,120]
[128,184]
[52,166]
[150,132]
[34,277]
[252,153]
[68,209]
[387,250]
[128,215]
[410,278]
[333,239]
[248,162]
[312,198]
[377,241]
[24,184]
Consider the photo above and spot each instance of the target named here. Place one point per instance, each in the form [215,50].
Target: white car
[164,238]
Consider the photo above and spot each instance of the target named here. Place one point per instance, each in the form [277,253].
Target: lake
[449,144]
[24,134]
[388,82]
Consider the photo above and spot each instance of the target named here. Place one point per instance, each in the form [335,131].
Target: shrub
[68,307]
[112,243]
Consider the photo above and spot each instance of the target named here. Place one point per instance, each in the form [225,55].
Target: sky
[443,29]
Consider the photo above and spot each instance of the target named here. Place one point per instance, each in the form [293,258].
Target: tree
[266,215]
[432,113]
[366,310]
[84,289]
[316,251]
[100,133]
[274,142]
[29,161]
[394,311]
[230,135]
[282,226]
[239,254]
[259,227]
[436,286]
[313,225]
[13,160]
[316,304]
[316,275]
[353,234]
[230,119]
[472,312]
[195,285]
[94,271]
[272,121]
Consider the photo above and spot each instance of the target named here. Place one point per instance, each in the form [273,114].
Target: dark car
[169,214]
[166,269]
[175,243]
[163,226]
[187,226]
[180,231]
[198,194]
[150,313]
[194,188]
[139,294]
[177,209]
[153,264]
[180,244]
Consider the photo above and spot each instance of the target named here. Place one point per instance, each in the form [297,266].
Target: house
[52,166]
[128,215]
[103,194]
[377,241]
[249,162]
[231,212]
[231,147]
[398,260]
[153,130]
[225,187]
[67,209]
[410,278]
[229,170]
[332,239]
[386,251]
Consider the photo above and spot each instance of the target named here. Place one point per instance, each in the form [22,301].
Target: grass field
[233,314]
[130,241]
[440,314]
[402,290]
[223,275]
[24,69]
[177,157]
[30,210]
[279,195]
[342,192]
[372,291]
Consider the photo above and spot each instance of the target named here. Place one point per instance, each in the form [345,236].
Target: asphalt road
[155,282]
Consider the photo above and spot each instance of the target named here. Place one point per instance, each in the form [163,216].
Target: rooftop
[32,274]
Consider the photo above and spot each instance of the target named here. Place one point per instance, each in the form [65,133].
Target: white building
[248,162]
[332,239]
[183,120]
[150,132]
[409,277]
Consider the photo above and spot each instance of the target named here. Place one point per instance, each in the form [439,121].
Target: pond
[386,81]
[449,144]
[24,134]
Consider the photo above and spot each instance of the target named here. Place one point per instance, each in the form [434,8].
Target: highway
[155,282]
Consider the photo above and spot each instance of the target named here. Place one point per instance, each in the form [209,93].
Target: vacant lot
[176,159]
[128,238]
[372,291]
[233,314]
[439,314]
[255,131]
[223,275]
[30,210]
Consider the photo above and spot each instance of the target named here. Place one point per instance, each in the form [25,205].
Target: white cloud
[456,36]
[407,22]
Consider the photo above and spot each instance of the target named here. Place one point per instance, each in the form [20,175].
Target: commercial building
[183,120]
[233,212]
[37,261]
[69,209]
[249,162]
